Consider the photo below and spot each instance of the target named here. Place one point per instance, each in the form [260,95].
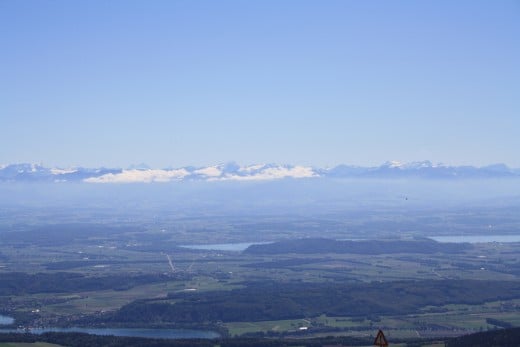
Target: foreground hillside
[497,338]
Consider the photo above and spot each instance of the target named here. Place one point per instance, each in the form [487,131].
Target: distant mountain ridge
[234,172]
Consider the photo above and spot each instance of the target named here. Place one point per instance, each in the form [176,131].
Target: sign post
[380,339]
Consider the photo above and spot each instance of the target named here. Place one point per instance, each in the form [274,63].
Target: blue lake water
[130,332]
[476,238]
[6,320]
[232,247]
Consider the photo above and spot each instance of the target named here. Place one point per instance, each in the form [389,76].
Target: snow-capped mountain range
[234,172]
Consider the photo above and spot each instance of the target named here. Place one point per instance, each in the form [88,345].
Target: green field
[200,271]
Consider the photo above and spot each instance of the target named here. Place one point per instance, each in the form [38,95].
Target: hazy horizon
[144,165]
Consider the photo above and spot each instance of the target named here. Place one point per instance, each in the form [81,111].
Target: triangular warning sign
[380,339]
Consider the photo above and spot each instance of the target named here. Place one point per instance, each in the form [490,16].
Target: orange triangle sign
[380,339]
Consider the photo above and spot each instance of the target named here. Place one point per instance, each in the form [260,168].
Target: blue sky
[174,83]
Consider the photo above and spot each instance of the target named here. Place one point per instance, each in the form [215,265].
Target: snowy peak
[221,172]
[415,165]
[256,172]
[34,172]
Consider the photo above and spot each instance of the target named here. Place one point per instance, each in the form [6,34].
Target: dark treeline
[275,301]
[19,283]
[287,342]
[318,245]
[496,338]
[499,323]
[86,340]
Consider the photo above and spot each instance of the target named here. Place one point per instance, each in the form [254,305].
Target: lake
[129,332]
[5,320]
[476,238]
[231,247]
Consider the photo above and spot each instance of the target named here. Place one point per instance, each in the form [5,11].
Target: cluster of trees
[310,342]
[499,323]
[19,283]
[275,301]
[87,340]
[318,245]
[496,338]
[489,339]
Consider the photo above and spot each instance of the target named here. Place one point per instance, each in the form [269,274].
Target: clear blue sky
[174,83]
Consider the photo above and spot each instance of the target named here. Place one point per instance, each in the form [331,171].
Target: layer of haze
[175,83]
